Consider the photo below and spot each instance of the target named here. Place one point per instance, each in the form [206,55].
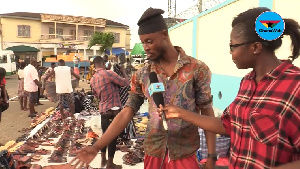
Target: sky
[126,12]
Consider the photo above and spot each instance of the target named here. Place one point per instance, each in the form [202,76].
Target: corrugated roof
[113,23]
[30,15]
[23,15]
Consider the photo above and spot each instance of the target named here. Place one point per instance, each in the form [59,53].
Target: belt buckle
[114,112]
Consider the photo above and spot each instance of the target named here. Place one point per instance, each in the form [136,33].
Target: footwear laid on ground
[69,131]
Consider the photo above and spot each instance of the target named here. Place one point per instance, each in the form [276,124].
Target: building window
[23,30]
[51,31]
[73,32]
[117,37]
[59,31]
[88,33]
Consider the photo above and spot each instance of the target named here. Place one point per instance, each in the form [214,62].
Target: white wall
[214,37]
[183,36]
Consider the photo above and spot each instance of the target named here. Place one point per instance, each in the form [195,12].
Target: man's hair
[22,65]
[98,60]
[61,61]
[33,60]
[53,63]
[105,57]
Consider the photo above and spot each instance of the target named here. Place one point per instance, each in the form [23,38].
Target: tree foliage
[105,40]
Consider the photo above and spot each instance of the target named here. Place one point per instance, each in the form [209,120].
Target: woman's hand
[170,111]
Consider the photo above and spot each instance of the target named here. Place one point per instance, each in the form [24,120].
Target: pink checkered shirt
[105,85]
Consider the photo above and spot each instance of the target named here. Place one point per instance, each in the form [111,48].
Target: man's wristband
[215,156]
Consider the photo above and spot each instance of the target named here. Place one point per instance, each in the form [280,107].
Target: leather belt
[111,112]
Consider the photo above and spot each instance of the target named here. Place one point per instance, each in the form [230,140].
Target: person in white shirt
[31,85]
[108,64]
[21,92]
[63,76]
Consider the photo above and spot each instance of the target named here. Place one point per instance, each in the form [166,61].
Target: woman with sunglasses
[263,121]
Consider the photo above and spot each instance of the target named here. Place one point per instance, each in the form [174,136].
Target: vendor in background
[107,62]
[17,60]
[31,84]
[128,67]
[21,92]
[64,89]
[91,71]
[4,97]
[39,69]
[51,78]
[105,85]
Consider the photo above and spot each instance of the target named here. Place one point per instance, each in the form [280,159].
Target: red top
[264,120]
[3,82]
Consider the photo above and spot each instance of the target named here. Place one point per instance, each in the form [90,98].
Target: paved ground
[14,119]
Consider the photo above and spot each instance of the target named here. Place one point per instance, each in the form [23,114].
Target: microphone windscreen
[153,77]
[158,99]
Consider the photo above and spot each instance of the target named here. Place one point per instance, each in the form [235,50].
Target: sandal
[33,144]
[140,154]
[47,143]
[124,149]
[127,161]
[131,158]
[41,140]
[43,152]
[61,166]
[24,166]
[36,166]
[57,159]
[17,157]
[24,159]
[35,158]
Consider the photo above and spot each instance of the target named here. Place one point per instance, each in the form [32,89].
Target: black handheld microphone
[156,90]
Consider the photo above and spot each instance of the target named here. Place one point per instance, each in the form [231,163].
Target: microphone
[156,90]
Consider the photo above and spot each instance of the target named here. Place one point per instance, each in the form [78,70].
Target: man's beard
[159,57]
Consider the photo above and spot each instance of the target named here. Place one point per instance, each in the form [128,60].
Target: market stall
[51,141]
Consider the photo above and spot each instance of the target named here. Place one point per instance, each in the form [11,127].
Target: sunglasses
[231,46]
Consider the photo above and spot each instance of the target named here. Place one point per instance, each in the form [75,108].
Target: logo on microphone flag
[155,88]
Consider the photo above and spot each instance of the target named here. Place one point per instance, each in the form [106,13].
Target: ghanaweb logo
[269,26]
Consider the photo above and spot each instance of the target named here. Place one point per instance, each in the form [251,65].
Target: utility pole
[171,13]
[1,35]
[200,4]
